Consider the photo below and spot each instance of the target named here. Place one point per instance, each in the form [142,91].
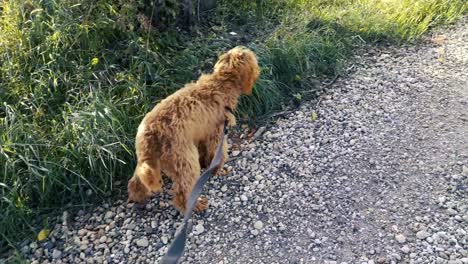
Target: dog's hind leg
[203,156]
[184,170]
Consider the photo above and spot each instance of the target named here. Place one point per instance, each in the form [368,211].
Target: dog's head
[144,183]
[240,63]
[137,191]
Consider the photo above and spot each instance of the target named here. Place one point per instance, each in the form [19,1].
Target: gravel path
[380,176]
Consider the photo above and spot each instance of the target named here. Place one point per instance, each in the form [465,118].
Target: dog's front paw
[202,204]
[231,119]
[223,171]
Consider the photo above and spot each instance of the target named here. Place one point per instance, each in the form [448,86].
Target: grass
[76,77]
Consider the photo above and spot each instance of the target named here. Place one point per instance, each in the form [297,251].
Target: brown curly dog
[179,136]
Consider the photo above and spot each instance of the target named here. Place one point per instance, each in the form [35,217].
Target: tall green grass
[76,77]
[404,20]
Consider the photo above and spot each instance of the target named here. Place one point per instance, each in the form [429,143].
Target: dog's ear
[229,62]
[250,77]
[250,70]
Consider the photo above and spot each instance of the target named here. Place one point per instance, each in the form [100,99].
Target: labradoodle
[180,135]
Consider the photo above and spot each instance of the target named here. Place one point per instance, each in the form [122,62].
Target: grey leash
[176,249]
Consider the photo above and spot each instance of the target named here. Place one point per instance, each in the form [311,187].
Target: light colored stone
[199,229]
[400,238]
[423,234]
[109,215]
[142,242]
[258,225]
[405,249]
[103,239]
[56,254]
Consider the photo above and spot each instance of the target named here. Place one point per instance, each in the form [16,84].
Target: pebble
[109,215]
[405,249]
[423,234]
[142,242]
[103,239]
[258,225]
[465,171]
[451,211]
[442,199]
[281,227]
[400,238]
[82,232]
[259,132]
[56,254]
[33,246]
[199,229]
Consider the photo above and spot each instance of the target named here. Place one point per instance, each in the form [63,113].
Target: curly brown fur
[179,136]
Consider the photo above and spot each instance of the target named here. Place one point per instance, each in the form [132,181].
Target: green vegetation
[76,77]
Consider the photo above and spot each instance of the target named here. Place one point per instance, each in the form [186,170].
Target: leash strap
[177,247]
